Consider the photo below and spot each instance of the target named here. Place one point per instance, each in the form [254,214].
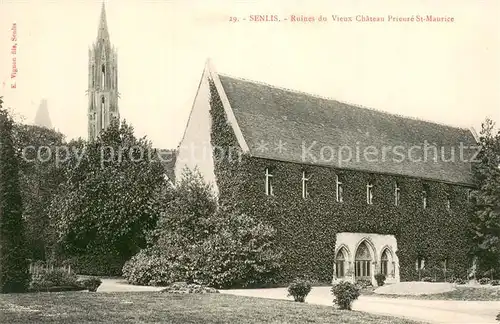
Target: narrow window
[397,194]
[269,183]
[340,190]
[103,113]
[369,193]
[448,201]
[93,75]
[340,263]
[425,196]
[103,73]
[305,179]
[384,263]
[420,263]
[469,195]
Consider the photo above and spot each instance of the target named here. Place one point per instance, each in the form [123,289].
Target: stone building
[351,191]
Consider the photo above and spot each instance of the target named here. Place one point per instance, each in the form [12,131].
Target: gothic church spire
[103,81]
[102,32]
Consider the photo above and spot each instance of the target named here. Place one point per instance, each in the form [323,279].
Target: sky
[446,72]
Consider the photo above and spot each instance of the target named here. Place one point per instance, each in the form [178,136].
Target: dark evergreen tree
[14,276]
[486,218]
[114,193]
[40,174]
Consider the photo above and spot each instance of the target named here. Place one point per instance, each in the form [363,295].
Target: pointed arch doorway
[363,263]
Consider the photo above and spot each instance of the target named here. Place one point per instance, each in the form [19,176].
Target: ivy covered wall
[306,228]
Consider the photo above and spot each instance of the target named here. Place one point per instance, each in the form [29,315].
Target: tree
[40,176]
[198,241]
[485,221]
[14,276]
[112,199]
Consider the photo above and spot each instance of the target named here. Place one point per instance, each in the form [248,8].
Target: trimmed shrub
[460,281]
[299,289]
[90,283]
[495,282]
[484,281]
[345,294]
[428,279]
[380,277]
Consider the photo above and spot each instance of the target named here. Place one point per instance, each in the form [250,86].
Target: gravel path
[415,288]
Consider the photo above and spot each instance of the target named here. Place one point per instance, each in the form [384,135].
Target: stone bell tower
[103,81]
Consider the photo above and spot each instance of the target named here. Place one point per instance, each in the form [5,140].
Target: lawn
[461,293]
[155,307]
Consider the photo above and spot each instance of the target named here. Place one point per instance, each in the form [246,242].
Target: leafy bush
[345,294]
[364,283]
[495,282]
[150,268]
[90,283]
[195,242]
[484,281]
[428,279]
[185,288]
[53,278]
[380,277]
[460,281]
[299,289]
[97,264]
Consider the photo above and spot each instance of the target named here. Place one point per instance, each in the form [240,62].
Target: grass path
[155,307]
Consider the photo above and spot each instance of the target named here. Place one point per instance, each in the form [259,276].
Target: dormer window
[369,193]
[269,183]
[305,179]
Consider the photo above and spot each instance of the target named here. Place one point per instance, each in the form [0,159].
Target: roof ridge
[344,102]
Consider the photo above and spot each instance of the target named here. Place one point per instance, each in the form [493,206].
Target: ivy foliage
[485,223]
[14,275]
[114,195]
[306,228]
[199,242]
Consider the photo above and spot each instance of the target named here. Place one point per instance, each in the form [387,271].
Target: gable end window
[269,183]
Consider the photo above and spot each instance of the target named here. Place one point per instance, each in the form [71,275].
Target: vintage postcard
[218,161]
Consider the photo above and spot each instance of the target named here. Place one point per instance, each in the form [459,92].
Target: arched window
[363,262]
[340,263]
[384,263]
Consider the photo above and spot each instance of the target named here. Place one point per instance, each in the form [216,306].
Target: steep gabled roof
[312,128]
